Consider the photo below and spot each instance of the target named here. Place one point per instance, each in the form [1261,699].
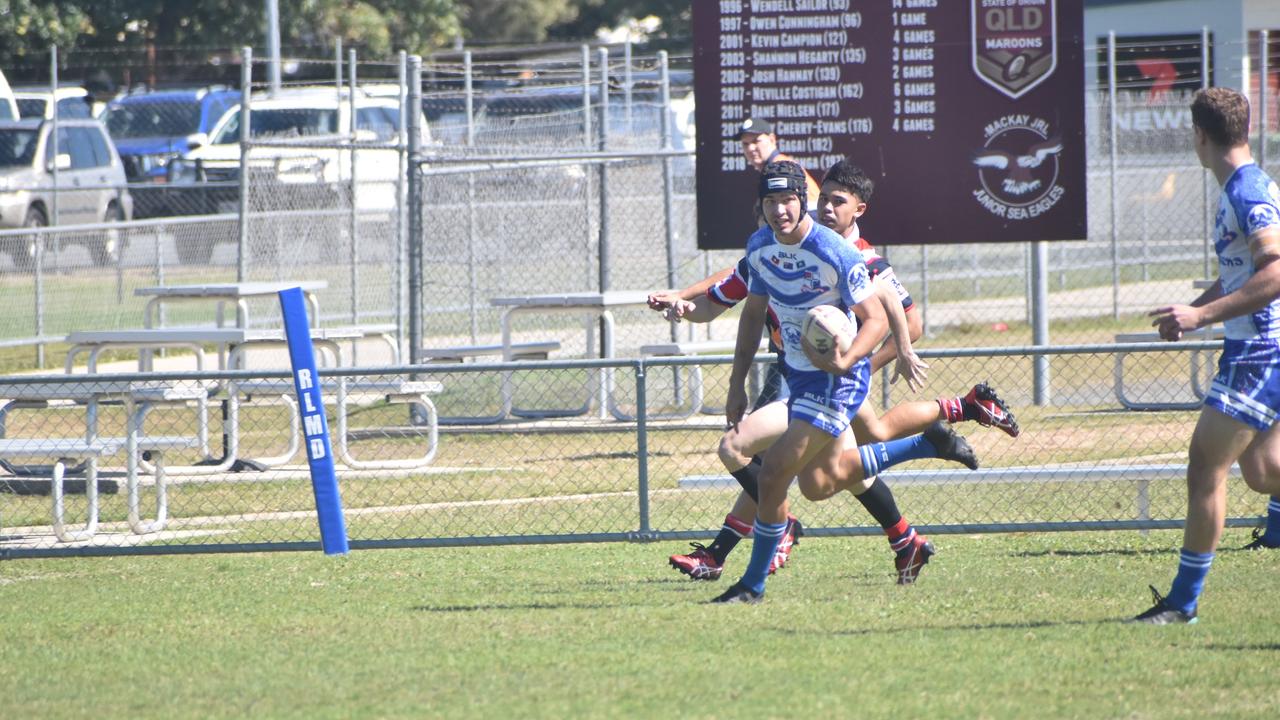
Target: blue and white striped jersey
[822,269]
[1250,201]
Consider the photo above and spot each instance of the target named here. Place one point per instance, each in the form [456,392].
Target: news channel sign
[968,115]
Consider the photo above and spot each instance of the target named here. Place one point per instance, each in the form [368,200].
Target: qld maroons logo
[1015,43]
[1018,167]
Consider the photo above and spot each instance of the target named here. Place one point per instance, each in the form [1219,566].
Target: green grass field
[1009,626]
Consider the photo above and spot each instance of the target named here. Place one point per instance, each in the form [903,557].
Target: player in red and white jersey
[843,199]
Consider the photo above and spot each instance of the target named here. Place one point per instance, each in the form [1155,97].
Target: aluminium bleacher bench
[349,391]
[1201,369]
[537,350]
[697,347]
[89,449]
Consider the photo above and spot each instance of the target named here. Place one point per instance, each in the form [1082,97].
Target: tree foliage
[377,28]
[593,15]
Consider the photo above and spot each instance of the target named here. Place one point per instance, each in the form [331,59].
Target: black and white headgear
[785,176]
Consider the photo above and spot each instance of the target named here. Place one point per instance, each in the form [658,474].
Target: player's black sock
[748,477]
[878,500]
[731,532]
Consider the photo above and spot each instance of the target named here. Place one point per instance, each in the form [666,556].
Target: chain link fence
[324,201]
[567,175]
[1086,461]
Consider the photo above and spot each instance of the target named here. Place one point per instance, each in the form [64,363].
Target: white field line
[42,536]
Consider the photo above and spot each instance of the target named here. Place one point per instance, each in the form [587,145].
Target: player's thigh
[829,471]
[756,431]
[866,425]
[1260,462]
[795,451]
[1217,442]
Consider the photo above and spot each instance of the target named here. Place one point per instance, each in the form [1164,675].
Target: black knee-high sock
[878,500]
[748,477]
[731,532]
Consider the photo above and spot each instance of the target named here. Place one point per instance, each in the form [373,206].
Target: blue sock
[1271,535]
[1189,582]
[764,544]
[879,456]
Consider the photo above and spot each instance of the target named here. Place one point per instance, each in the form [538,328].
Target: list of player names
[803,65]
[908,90]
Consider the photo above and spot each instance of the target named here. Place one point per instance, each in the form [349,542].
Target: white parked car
[316,177]
[74,103]
[90,181]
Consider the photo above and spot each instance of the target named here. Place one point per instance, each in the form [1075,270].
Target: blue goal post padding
[315,428]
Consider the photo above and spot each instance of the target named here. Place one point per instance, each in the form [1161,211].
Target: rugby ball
[827,326]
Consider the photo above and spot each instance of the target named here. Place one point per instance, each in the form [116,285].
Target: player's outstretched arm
[673,307]
[661,299]
[750,326]
[902,332]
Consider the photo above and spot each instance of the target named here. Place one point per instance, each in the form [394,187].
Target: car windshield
[293,122]
[153,119]
[31,107]
[17,147]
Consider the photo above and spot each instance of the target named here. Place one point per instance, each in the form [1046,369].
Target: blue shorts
[1247,387]
[826,401]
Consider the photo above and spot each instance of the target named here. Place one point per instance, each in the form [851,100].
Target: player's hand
[735,405]
[679,308]
[661,300]
[824,361]
[1172,321]
[912,369]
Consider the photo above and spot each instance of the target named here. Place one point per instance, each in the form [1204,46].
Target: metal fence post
[668,182]
[1040,319]
[472,271]
[587,143]
[626,81]
[1204,173]
[242,245]
[924,290]
[415,211]
[642,447]
[1115,225]
[41,238]
[1264,51]
[402,154]
[353,229]
[604,172]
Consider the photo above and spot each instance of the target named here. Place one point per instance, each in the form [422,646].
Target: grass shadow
[1124,552]
[970,627]
[505,607]
[1236,647]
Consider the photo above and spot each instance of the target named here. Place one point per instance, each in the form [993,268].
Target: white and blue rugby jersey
[822,269]
[1250,201]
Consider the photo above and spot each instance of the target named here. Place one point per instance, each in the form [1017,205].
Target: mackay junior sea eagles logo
[1018,167]
[1014,43]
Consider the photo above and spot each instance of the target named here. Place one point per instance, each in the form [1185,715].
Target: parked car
[305,177]
[151,129]
[90,179]
[8,107]
[74,103]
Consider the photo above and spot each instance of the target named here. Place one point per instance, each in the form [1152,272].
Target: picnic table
[140,397]
[234,293]
[595,306]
